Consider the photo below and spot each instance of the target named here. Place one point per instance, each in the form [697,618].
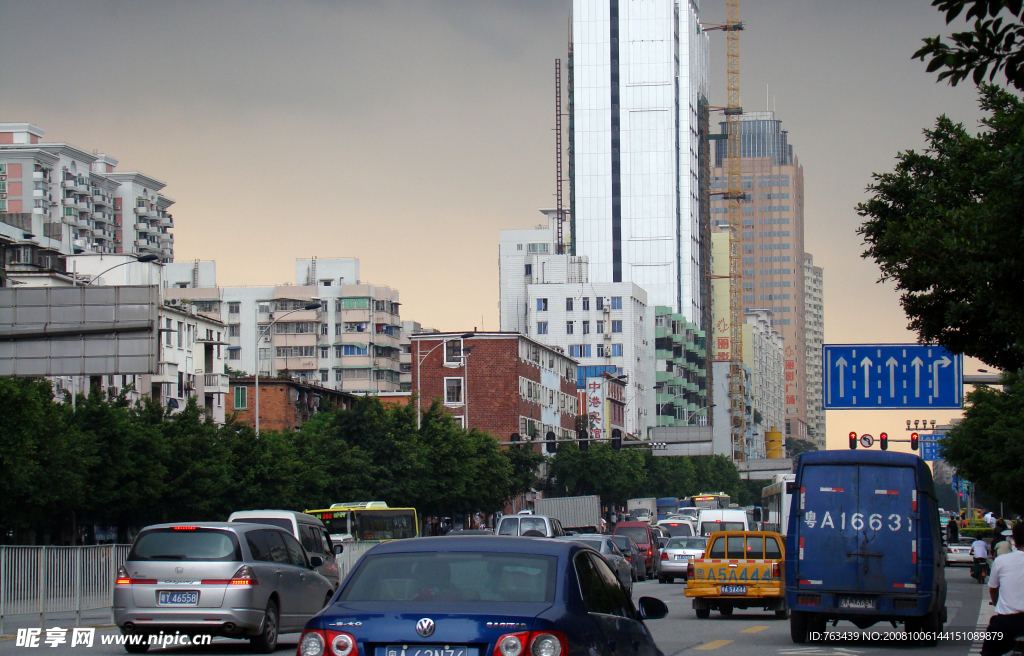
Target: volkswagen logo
[425,627]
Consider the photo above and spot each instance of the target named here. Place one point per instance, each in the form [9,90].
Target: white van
[307,529]
[711,520]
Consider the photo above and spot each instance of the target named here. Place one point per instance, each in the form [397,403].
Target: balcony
[40,176]
[166,239]
[167,373]
[69,184]
[166,222]
[39,193]
[141,243]
[142,227]
[69,202]
[143,211]
[215,383]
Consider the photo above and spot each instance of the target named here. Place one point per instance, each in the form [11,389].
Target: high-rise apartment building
[638,101]
[772,247]
[59,199]
[814,322]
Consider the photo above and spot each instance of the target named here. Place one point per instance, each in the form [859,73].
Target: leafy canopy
[947,226]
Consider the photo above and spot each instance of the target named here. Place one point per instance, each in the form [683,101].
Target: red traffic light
[853,440]
[883,439]
[913,441]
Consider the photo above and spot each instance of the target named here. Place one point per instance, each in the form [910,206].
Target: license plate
[430,650]
[734,589]
[857,602]
[683,557]
[178,598]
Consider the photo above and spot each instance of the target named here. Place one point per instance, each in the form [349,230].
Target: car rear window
[622,542]
[199,544]
[456,576]
[772,550]
[279,522]
[638,533]
[677,529]
[532,524]
[707,528]
[686,543]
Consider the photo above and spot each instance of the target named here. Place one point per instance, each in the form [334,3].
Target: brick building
[284,404]
[500,382]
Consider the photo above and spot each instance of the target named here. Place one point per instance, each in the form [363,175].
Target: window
[616,350]
[616,302]
[616,325]
[296,351]
[542,327]
[600,302]
[337,375]
[579,350]
[234,354]
[352,349]
[233,307]
[234,330]
[586,303]
[355,304]
[241,398]
[595,595]
[264,307]
[181,330]
[264,354]
[537,248]
[453,391]
[529,270]
[453,351]
[568,327]
[568,305]
[323,329]
[542,305]
[355,326]
[325,351]
[586,327]
[600,325]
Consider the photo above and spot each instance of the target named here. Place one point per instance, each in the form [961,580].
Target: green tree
[795,447]
[524,463]
[615,476]
[987,446]
[668,476]
[945,227]
[991,46]
[717,474]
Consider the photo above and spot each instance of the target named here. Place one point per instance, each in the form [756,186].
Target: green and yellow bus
[368,521]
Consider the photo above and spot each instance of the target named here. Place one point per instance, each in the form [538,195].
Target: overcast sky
[408,134]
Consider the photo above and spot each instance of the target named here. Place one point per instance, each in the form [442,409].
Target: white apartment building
[763,354]
[604,326]
[350,343]
[409,328]
[814,329]
[639,96]
[56,197]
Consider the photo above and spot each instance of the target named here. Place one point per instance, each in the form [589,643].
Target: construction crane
[735,196]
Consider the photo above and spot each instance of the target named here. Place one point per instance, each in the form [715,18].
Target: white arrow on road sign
[944,362]
[866,365]
[916,363]
[841,363]
[892,363]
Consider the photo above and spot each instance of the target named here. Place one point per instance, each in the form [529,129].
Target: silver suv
[235,580]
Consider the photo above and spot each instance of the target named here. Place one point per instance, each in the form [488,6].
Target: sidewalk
[99,617]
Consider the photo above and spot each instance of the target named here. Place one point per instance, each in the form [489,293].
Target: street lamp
[259,336]
[419,371]
[148,257]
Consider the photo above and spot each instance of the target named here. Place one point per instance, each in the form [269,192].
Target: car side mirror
[652,609]
[339,548]
[315,561]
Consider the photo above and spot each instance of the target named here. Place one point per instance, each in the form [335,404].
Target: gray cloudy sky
[408,134]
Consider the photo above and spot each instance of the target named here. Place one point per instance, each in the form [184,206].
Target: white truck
[646,510]
[577,513]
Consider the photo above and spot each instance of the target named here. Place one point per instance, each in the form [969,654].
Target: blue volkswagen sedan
[482,596]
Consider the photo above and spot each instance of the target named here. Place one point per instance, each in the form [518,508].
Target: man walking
[952,531]
[1006,588]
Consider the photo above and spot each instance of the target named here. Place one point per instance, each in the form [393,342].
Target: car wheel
[703,613]
[137,648]
[327,599]
[670,579]
[661,580]
[725,610]
[266,641]
[798,627]
[782,614]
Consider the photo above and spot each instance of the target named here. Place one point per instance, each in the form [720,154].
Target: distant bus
[368,521]
[775,502]
[667,506]
[712,500]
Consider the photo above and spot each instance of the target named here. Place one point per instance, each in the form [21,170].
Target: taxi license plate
[429,650]
[862,603]
[178,598]
[734,589]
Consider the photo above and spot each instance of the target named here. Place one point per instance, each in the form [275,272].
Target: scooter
[979,570]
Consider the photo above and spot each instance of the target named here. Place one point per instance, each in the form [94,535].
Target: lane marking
[754,629]
[715,644]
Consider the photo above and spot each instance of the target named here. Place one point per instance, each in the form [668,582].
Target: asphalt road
[746,633]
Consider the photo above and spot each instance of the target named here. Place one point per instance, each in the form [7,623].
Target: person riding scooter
[980,571]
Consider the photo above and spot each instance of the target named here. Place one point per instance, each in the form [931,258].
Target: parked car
[228,579]
[646,537]
[677,554]
[960,553]
[486,596]
[309,530]
[536,525]
[633,554]
[604,545]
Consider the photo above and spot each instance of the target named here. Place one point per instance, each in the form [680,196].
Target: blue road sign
[891,377]
[956,484]
[929,445]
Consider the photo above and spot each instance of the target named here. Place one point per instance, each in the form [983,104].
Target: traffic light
[583,437]
[913,441]
[549,442]
[883,441]
[616,439]
[853,440]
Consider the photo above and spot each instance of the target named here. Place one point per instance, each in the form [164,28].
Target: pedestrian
[952,531]
[990,519]
[1006,589]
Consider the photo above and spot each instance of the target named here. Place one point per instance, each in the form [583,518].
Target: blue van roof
[865,457]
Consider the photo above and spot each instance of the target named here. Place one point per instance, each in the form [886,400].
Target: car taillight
[315,642]
[541,643]
[311,643]
[244,576]
[664,556]
[511,644]
[342,644]
[124,579]
[183,528]
[775,570]
[689,570]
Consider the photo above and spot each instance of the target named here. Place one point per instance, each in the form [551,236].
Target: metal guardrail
[41,580]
